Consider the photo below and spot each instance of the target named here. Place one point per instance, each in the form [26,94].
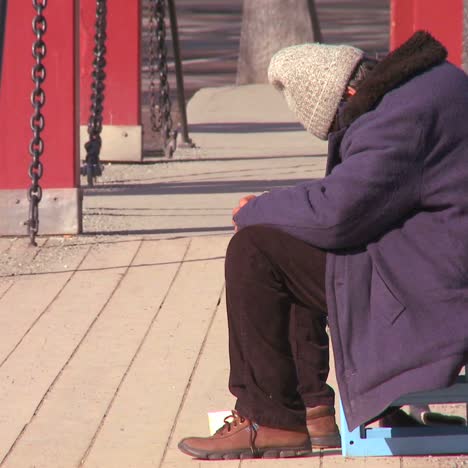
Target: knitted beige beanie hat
[313,78]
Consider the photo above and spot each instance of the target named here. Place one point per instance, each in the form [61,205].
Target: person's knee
[249,250]
[241,241]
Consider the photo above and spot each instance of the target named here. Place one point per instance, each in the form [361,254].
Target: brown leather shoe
[242,438]
[321,424]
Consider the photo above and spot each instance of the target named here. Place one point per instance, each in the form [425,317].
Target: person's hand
[242,202]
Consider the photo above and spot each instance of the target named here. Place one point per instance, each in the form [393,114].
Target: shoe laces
[235,419]
[231,421]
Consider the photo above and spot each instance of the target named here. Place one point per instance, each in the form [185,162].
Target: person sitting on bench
[378,249]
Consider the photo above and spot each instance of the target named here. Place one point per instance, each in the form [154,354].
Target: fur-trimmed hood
[419,53]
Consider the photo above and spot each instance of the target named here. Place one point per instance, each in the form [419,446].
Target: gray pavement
[113,344]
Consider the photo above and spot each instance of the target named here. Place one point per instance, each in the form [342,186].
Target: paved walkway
[113,344]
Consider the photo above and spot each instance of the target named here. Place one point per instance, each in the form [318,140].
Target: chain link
[160,99]
[92,167]
[37,121]
[153,90]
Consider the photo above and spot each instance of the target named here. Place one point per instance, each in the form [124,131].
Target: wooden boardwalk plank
[139,424]
[5,285]
[79,399]
[443,461]
[338,461]
[27,375]
[208,392]
[29,296]
[307,462]
[5,243]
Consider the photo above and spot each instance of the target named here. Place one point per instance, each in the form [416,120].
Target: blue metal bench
[385,441]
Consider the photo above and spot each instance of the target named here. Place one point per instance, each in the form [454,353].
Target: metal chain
[38,97]
[160,99]
[92,167]
[153,91]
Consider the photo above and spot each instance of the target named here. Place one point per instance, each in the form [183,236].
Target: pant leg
[310,345]
[267,273]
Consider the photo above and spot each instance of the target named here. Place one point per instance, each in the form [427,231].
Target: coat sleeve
[376,186]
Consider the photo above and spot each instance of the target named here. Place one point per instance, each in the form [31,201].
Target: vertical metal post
[465,51]
[401,22]
[186,141]
[446,24]
[316,31]
[122,131]
[3,12]
[60,204]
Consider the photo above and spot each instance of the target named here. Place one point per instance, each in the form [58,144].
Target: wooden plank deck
[96,372]
[112,361]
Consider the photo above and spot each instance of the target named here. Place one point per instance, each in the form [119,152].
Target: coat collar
[419,53]
[334,144]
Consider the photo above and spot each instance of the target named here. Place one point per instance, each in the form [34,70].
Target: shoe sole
[267,452]
[326,442]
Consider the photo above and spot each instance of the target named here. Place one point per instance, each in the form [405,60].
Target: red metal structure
[444,20]
[60,207]
[122,132]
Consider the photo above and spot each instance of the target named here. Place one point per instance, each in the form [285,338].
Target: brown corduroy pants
[278,344]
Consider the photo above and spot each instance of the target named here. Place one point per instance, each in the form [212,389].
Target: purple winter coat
[393,215]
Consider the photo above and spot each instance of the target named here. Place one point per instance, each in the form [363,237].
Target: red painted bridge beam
[122,132]
[447,21]
[60,207]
